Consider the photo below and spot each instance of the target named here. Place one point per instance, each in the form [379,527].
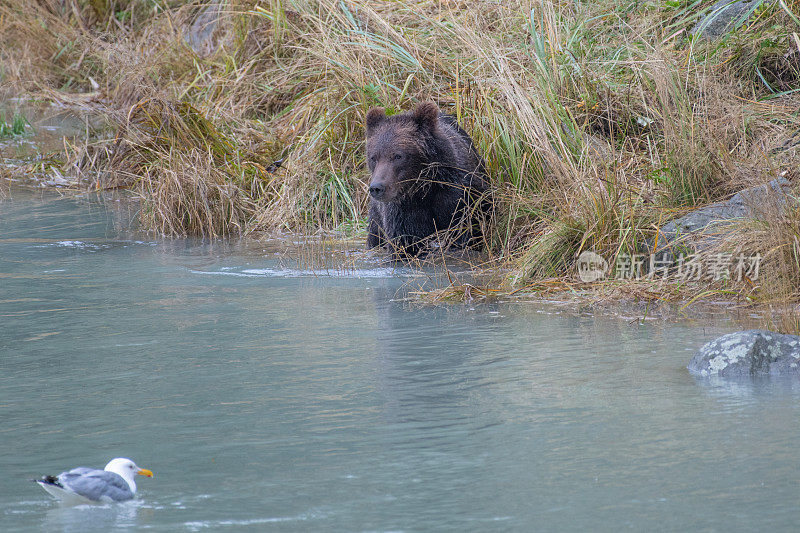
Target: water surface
[269,396]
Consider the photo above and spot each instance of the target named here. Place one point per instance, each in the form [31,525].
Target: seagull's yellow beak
[144,472]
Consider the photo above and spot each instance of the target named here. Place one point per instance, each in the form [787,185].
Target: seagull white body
[86,485]
[70,498]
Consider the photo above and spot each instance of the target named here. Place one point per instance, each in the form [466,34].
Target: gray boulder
[700,228]
[200,35]
[725,16]
[754,352]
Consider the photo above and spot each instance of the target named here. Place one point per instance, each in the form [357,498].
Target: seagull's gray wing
[78,471]
[97,485]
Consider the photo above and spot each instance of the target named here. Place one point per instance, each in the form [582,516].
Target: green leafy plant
[15,128]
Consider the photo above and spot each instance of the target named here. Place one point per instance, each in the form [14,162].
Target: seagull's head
[126,468]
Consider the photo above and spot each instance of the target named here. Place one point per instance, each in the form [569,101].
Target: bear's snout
[377,190]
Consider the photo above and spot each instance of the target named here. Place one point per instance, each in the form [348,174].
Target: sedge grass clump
[785,319]
[764,52]
[38,45]
[15,128]
[772,236]
[552,252]
[188,194]
[193,178]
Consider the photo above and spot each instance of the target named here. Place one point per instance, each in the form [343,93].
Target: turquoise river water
[269,397]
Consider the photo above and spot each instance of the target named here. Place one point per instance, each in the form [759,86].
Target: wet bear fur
[427,181]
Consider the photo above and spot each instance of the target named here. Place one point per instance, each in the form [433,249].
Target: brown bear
[427,180]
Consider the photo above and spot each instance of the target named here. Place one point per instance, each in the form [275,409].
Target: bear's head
[397,152]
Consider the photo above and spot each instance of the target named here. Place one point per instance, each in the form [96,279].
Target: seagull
[84,485]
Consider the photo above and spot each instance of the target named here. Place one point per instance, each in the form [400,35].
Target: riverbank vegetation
[599,120]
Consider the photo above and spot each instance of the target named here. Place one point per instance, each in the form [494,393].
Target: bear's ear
[426,115]
[374,117]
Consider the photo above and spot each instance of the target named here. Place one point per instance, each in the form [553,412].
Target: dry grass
[598,121]
[785,320]
[773,235]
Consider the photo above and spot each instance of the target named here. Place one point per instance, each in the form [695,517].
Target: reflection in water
[736,394]
[268,397]
[79,518]
[423,370]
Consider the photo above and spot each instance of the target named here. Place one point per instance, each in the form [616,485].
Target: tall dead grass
[598,122]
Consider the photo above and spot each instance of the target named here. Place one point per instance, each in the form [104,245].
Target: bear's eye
[397,156]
